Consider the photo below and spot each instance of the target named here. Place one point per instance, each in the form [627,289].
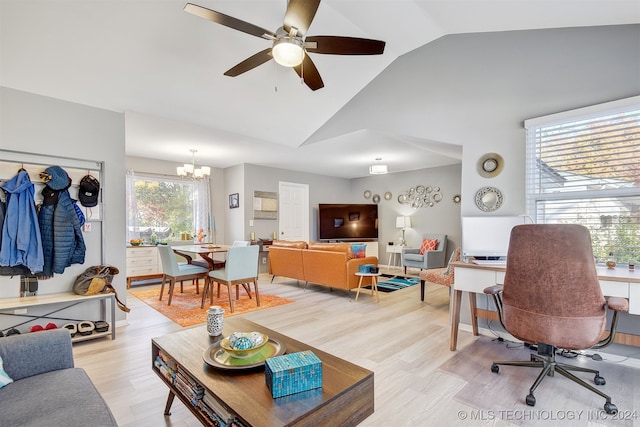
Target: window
[583,167]
[166,206]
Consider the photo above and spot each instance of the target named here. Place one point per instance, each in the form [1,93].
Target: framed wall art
[234,201]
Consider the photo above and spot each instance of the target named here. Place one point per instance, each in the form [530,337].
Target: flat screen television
[487,237]
[349,222]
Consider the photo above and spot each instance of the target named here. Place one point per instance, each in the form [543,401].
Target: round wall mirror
[490,165]
[489,199]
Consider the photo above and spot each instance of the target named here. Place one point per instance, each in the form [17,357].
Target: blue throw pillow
[4,377]
[359,251]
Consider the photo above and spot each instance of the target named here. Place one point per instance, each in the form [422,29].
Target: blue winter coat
[68,243]
[21,241]
[62,239]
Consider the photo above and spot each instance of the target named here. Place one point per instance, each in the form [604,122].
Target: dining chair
[241,268]
[217,264]
[175,271]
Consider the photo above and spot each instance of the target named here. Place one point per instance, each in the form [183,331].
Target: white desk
[473,278]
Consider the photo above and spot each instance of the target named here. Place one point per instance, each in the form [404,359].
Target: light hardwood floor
[403,340]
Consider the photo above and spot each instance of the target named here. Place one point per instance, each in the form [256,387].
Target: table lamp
[403,222]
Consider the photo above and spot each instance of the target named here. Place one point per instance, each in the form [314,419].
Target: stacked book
[188,387]
[217,413]
[166,366]
[214,412]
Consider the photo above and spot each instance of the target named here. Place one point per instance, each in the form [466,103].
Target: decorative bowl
[244,345]
[135,243]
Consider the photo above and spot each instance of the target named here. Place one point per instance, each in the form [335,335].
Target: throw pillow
[4,377]
[428,245]
[359,251]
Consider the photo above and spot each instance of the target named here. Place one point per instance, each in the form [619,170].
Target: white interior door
[293,206]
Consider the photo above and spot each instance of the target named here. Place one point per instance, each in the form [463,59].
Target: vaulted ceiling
[164,69]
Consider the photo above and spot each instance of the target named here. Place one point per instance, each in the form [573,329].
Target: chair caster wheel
[531,400]
[495,368]
[598,380]
[610,408]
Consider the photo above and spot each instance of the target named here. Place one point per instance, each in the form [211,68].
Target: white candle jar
[215,320]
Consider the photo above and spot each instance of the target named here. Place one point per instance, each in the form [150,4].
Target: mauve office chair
[551,298]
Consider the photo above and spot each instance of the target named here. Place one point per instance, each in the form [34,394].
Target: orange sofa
[328,264]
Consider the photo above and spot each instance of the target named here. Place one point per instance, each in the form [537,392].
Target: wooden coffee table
[345,399]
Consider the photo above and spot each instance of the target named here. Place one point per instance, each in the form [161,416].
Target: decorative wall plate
[387,195]
[216,357]
[490,165]
[420,196]
[456,199]
[367,194]
[376,198]
[489,199]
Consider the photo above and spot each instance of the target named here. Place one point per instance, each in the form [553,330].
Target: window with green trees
[166,207]
[583,166]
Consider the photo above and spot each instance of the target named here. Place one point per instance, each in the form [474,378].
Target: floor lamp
[403,222]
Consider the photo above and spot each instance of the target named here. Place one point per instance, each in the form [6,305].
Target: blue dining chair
[175,271]
[241,268]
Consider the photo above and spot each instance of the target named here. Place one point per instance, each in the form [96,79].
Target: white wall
[476,90]
[46,126]
[234,219]
[443,217]
[322,189]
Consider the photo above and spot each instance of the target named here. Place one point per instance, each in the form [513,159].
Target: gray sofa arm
[36,353]
[410,251]
[434,259]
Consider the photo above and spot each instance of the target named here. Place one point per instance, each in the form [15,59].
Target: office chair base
[550,366]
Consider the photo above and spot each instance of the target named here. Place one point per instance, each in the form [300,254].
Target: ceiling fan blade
[249,63]
[309,73]
[337,45]
[228,21]
[299,14]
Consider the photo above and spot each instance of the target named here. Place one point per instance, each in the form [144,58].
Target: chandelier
[189,169]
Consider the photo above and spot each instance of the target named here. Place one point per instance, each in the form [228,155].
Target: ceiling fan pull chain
[275,77]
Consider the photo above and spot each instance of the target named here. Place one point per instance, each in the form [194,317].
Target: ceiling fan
[290,46]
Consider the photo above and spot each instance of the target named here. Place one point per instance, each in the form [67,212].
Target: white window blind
[583,167]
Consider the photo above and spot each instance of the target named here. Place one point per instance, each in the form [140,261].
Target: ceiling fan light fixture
[288,51]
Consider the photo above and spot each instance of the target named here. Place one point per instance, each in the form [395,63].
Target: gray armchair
[431,259]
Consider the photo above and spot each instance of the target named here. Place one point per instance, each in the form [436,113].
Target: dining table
[205,250]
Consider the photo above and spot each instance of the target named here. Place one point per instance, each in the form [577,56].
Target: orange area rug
[185,307]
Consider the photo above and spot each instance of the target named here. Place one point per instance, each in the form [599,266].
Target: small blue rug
[395,283]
